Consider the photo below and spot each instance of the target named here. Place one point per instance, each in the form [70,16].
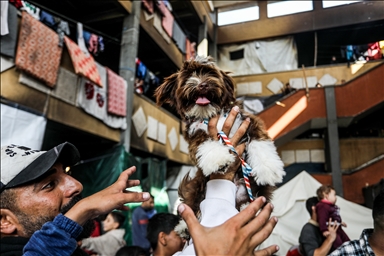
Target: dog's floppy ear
[229,84]
[165,93]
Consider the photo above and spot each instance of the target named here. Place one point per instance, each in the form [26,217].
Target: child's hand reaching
[343,224]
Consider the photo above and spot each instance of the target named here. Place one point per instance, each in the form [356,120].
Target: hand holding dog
[239,235]
[212,131]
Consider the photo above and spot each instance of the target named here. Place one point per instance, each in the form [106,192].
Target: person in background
[327,209]
[371,241]
[139,224]
[131,251]
[311,240]
[160,233]
[113,238]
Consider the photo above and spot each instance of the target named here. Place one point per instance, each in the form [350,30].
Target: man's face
[37,203]
[148,205]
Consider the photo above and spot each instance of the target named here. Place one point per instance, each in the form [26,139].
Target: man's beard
[31,224]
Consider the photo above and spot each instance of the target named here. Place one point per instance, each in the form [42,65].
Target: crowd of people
[42,213]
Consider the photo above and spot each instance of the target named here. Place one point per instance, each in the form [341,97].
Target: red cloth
[167,20]
[148,5]
[38,51]
[294,251]
[117,94]
[84,65]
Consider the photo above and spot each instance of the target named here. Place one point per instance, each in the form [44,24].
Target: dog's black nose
[203,86]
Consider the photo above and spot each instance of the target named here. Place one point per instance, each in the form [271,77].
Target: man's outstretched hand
[108,199]
[239,235]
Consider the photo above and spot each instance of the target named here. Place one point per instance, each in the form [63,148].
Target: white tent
[289,202]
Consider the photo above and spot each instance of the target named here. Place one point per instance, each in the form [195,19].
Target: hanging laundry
[179,37]
[62,29]
[80,39]
[101,44]
[92,98]
[47,19]
[17,3]
[84,65]
[157,24]
[37,52]
[93,44]
[168,5]
[117,94]
[4,18]
[148,5]
[31,9]
[167,20]
[8,41]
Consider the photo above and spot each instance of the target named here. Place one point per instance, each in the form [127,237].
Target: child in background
[326,208]
[113,238]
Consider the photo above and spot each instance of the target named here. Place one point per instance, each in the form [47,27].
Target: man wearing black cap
[35,189]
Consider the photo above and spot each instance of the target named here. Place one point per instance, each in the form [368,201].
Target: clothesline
[74,22]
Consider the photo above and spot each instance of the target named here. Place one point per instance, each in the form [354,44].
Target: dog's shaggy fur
[199,91]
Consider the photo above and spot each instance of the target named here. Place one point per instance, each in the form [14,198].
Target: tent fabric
[289,208]
[21,127]
[260,56]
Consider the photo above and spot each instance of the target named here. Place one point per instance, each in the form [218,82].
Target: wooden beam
[317,19]
[126,4]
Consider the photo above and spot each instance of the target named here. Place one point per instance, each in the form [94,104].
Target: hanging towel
[92,98]
[62,30]
[84,65]
[4,18]
[148,5]
[179,37]
[167,20]
[80,39]
[8,41]
[38,52]
[117,94]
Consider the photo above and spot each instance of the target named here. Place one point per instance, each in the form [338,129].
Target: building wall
[353,152]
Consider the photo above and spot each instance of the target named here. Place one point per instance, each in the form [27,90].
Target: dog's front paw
[267,167]
[213,156]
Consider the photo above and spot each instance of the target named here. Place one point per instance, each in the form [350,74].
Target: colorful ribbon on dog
[244,166]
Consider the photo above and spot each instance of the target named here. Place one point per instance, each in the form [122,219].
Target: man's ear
[9,223]
[161,238]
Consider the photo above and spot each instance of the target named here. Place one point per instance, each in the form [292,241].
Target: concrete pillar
[127,66]
[332,148]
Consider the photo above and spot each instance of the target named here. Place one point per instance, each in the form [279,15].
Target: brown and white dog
[199,91]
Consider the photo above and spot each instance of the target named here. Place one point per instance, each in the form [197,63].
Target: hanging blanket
[84,65]
[167,20]
[38,52]
[117,94]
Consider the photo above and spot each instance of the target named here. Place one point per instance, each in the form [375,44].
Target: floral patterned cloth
[117,94]
[38,52]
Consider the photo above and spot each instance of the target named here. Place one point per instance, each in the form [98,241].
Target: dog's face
[198,90]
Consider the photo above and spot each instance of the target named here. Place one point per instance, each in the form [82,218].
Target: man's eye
[49,185]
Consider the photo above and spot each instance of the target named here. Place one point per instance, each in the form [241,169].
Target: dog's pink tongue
[202,101]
